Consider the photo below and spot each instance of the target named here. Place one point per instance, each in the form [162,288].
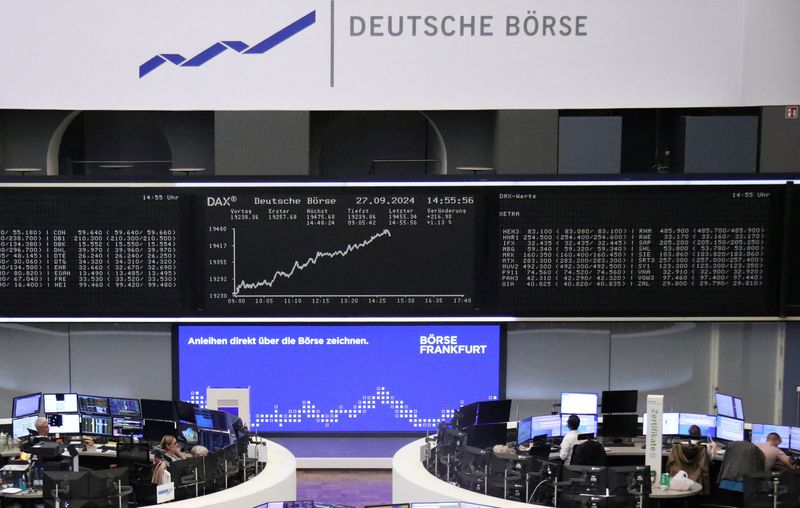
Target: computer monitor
[524,431]
[105,483]
[125,407]
[96,425]
[60,403]
[760,431]
[64,423]
[203,418]
[125,426]
[93,405]
[738,408]
[794,438]
[27,405]
[153,409]
[588,424]
[20,426]
[67,484]
[466,415]
[185,411]
[619,401]
[587,478]
[624,479]
[620,425]
[187,433]
[485,436]
[706,423]
[728,405]
[730,429]
[154,430]
[214,440]
[494,411]
[133,454]
[578,403]
[669,424]
[186,474]
[546,424]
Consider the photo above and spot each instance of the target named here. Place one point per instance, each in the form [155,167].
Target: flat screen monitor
[187,433]
[125,407]
[760,431]
[154,430]
[524,431]
[95,424]
[738,408]
[619,401]
[214,440]
[620,426]
[68,484]
[185,411]
[728,405]
[93,405]
[20,426]
[588,424]
[794,438]
[60,402]
[486,436]
[203,418]
[27,405]
[105,483]
[706,423]
[669,424]
[578,403]
[494,411]
[590,479]
[381,395]
[467,415]
[153,409]
[730,429]
[64,423]
[126,426]
[546,424]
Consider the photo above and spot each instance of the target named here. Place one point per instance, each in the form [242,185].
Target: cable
[536,488]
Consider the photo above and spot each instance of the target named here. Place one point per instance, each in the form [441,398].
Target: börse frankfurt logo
[238,46]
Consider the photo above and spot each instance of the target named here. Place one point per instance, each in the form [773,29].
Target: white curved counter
[277,482]
[412,483]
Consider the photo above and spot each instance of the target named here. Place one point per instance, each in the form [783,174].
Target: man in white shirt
[570,440]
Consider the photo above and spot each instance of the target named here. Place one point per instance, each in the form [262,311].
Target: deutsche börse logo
[219,47]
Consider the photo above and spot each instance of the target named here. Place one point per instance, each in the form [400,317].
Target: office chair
[588,453]
[542,481]
[447,453]
[741,457]
[473,470]
[771,489]
[692,458]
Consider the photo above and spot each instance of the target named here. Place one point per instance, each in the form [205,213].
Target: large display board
[390,378]
[331,250]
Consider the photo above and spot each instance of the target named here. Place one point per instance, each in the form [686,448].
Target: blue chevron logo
[219,47]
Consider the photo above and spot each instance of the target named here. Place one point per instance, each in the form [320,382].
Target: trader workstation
[488,254]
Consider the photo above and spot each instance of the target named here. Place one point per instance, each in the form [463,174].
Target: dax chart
[372,253]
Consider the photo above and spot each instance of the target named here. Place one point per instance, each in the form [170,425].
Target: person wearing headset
[170,451]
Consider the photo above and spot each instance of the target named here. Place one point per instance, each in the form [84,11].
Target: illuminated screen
[64,423]
[588,424]
[60,403]
[26,405]
[726,405]
[547,424]
[358,378]
[20,426]
[669,424]
[794,441]
[707,424]
[579,403]
[730,429]
[125,407]
[760,431]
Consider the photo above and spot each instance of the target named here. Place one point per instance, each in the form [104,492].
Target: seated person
[170,451]
[696,436]
[773,455]
[570,439]
[42,428]
[199,451]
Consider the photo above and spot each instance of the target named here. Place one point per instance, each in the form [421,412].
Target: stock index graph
[324,253]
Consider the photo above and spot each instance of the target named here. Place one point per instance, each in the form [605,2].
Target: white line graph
[298,266]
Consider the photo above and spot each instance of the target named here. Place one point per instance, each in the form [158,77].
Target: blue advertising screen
[343,378]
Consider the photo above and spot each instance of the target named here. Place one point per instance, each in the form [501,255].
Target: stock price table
[638,251]
[345,252]
[70,252]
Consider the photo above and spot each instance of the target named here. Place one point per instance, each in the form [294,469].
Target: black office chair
[542,481]
[473,470]
[588,453]
[448,449]
[767,490]
[741,457]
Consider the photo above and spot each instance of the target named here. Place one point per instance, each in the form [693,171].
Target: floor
[353,487]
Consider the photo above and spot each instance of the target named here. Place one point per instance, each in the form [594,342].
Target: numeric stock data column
[89,252]
[637,251]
